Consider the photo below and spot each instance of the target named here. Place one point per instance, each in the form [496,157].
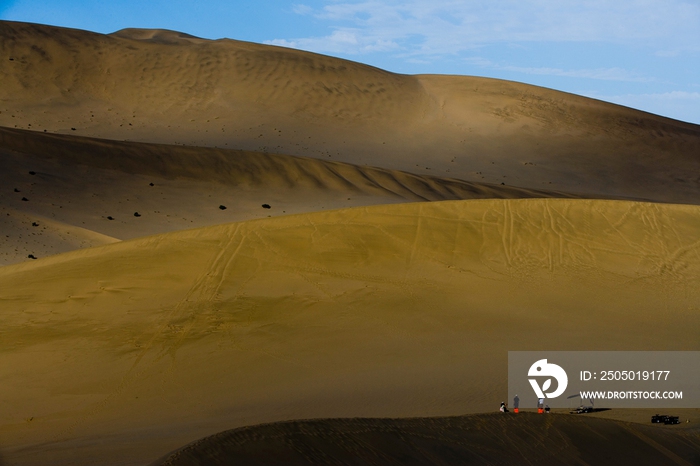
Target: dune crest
[478,439]
[158,36]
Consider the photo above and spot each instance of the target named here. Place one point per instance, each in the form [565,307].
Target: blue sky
[640,53]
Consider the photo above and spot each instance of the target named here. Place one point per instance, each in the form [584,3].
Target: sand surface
[491,439]
[246,237]
[154,342]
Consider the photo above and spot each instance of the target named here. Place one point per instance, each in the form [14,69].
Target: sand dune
[158,36]
[153,334]
[90,185]
[386,311]
[167,87]
[27,236]
[479,439]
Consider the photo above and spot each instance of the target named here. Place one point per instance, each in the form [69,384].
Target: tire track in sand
[207,283]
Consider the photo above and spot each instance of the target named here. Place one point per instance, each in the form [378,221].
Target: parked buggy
[664,419]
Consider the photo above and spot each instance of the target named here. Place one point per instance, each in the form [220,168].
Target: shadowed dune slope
[94,187]
[246,168]
[491,439]
[381,311]
[167,87]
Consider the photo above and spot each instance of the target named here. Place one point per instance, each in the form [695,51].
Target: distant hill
[167,87]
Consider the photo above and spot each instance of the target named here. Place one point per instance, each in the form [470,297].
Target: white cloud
[342,40]
[605,74]
[301,9]
[451,26]
[624,45]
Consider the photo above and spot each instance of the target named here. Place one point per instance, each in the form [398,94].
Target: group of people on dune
[541,407]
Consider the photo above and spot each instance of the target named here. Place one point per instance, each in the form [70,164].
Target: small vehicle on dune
[662,418]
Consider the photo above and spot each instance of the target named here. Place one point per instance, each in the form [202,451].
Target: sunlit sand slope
[491,439]
[166,87]
[383,311]
[99,186]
